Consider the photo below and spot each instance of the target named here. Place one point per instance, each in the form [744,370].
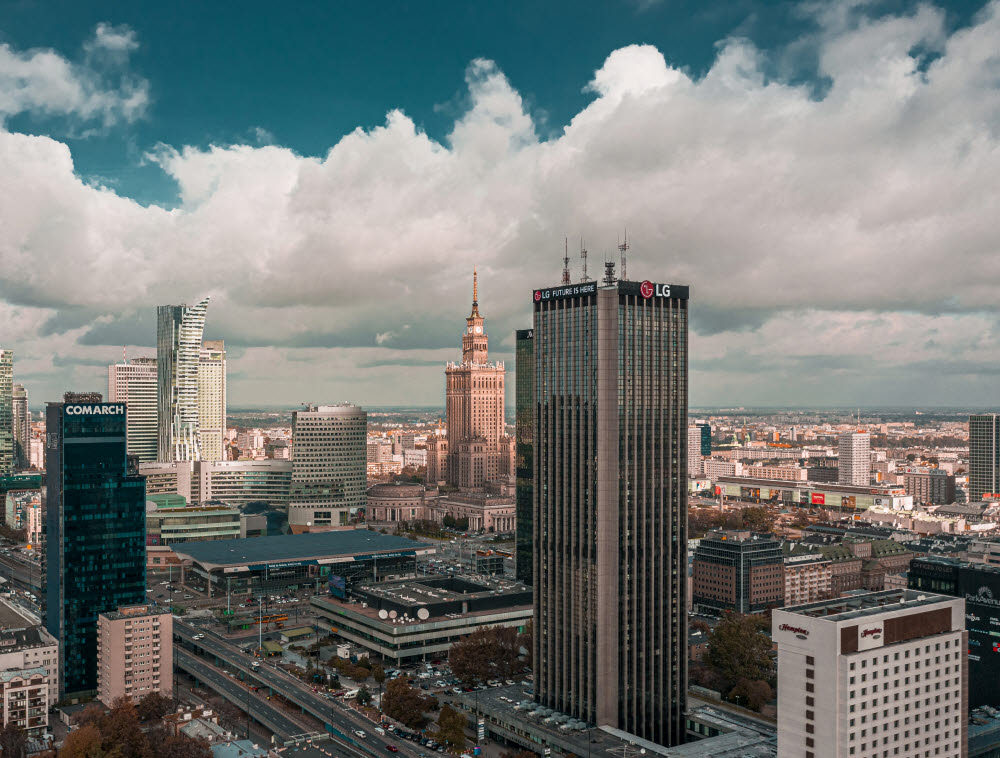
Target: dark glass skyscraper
[984,455]
[610,496]
[524,404]
[96,529]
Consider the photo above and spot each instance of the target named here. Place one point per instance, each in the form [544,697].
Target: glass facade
[610,505]
[524,404]
[6,412]
[96,531]
[179,330]
[984,455]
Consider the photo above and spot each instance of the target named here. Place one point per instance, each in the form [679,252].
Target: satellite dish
[383,614]
[423,614]
[392,614]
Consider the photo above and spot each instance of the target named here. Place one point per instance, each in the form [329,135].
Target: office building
[854,459]
[179,331]
[524,404]
[236,483]
[610,516]
[929,486]
[22,427]
[6,412]
[212,400]
[135,653]
[984,456]
[979,585]
[29,673]
[694,451]
[134,383]
[879,674]
[95,529]
[738,571]
[479,449]
[706,437]
[329,479]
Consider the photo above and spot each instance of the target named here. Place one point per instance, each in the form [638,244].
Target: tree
[183,746]
[12,740]
[526,641]
[378,674]
[83,742]
[738,649]
[451,727]
[449,521]
[490,652]
[364,695]
[462,523]
[154,706]
[518,754]
[404,703]
[120,730]
[753,694]
[757,519]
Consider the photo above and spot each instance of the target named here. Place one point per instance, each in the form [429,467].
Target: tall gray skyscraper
[212,400]
[134,383]
[6,412]
[610,504]
[329,465]
[22,427]
[179,331]
[984,455]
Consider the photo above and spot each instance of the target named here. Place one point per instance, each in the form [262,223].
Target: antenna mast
[565,277]
[609,273]
[583,256]
[623,247]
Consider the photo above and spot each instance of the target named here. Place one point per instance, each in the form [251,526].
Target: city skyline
[821,176]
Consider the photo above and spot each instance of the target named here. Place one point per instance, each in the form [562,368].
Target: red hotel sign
[817,498]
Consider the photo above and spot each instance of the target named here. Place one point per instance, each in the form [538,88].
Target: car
[189,597]
[457,690]
[379,730]
[392,748]
[360,734]
[243,605]
[440,683]
[424,687]
[509,682]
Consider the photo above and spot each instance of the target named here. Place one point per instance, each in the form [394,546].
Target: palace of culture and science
[477,449]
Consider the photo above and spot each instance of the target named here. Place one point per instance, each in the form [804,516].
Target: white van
[350,694]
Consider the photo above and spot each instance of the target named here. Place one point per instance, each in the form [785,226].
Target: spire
[475,292]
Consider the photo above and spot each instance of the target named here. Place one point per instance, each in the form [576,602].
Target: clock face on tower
[470,330]
[479,330]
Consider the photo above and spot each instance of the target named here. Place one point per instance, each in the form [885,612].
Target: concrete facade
[135,653]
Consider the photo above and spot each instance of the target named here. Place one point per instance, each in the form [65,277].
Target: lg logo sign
[647,289]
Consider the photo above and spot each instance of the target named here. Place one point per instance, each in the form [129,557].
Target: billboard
[981,590]
[817,498]
[338,587]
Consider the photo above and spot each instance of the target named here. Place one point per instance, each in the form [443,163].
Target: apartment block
[134,653]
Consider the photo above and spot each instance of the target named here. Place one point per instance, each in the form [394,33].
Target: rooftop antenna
[609,272]
[565,278]
[583,256]
[623,247]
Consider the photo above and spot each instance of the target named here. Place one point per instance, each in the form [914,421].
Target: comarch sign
[95,410]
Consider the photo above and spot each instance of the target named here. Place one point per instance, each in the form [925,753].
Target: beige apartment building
[134,653]
[808,578]
[29,677]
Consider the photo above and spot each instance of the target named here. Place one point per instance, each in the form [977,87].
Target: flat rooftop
[295,547]
[419,592]
[867,604]
[11,618]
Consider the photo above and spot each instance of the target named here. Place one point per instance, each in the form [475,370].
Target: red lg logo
[646,289]
[538,295]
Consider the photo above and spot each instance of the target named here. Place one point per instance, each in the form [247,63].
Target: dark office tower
[610,493]
[984,455]
[96,530]
[706,438]
[524,403]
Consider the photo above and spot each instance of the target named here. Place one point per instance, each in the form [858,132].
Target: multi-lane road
[337,717]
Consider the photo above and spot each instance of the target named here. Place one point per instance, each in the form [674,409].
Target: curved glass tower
[179,330]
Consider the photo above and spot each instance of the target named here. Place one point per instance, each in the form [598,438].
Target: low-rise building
[29,674]
[929,485]
[134,653]
[414,619]
[808,578]
[739,571]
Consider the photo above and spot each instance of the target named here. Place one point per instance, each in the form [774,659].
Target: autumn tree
[13,740]
[738,650]
[154,706]
[490,652]
[518,754]
[757,519]
[378,674]
[83,742]
[120,731]
[404,703]
[451,727]
[752,693]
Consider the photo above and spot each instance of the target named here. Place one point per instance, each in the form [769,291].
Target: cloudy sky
[825,176]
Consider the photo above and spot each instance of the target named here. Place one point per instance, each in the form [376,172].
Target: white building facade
[854,458]
[212,400]
[874,675]
[179,333]
[134,383]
